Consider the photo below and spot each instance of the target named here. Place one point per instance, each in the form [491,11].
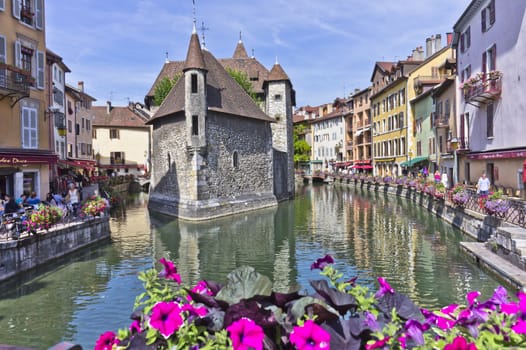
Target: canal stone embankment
[17,256]
[500,248]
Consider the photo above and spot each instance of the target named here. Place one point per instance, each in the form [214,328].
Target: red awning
[122,166]
[23,157]
[498,154]
[78,163]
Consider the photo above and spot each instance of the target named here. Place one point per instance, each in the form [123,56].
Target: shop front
[25,171]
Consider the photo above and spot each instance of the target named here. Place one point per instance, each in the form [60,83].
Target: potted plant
[460,195]
[43,218]
[496,205]
[94,206]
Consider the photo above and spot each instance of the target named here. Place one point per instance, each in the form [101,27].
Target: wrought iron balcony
[483,88]
[15,81]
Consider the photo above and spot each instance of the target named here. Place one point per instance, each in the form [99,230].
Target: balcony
[441,121]
[421,80]
[483,88]
[14,82]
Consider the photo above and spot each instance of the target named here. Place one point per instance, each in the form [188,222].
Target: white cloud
[326,47]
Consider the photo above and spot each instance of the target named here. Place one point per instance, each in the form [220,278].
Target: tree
[301,147]
[163,89]
[242,79]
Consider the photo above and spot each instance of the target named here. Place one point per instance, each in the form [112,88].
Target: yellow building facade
[25,155]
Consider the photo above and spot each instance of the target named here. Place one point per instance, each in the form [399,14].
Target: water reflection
[369,235]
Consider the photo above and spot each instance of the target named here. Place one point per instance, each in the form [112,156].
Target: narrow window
[114,133]
[235,160]
[194,83]
[195,125]
[277,97]
[489,120]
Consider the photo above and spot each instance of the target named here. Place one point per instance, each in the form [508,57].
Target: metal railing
[14,79]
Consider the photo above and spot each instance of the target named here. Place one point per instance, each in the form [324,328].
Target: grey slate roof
[224,94]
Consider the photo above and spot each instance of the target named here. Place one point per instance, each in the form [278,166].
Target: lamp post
[454,146]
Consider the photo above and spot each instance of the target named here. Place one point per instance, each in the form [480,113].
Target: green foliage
[163,89]
[301,148]
[243,80]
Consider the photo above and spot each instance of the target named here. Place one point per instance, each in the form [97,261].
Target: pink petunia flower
[378,344]
[460,343]
[246,334]
[106,341]
[135,327]
[166,318]
[170,271]
[384,288]
[310,336]
[519,327]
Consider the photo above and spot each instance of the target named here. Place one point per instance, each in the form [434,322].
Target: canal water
[369,235]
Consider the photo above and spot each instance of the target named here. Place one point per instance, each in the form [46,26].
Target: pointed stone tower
[278,105]
[195,106]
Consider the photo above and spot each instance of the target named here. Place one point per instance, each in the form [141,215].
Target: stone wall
[205,183]
[25,254]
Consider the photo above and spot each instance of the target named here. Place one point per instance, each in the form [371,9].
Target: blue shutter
[16,8]
[40,70]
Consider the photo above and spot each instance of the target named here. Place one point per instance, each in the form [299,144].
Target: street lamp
[454,146]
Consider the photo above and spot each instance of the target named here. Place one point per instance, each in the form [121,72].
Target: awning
[413,161]
[362,167]
[122,166]
[26,157]
[342,164]
[78,163]
[521,153]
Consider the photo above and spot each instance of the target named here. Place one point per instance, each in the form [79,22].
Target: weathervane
[202,29]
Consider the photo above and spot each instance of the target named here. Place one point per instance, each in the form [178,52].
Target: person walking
[73,198]
[437,176]
[483,185]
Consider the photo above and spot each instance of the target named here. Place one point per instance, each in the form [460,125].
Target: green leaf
[244,283]
[299,307]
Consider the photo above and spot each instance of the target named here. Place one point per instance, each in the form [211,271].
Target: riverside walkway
[501,236]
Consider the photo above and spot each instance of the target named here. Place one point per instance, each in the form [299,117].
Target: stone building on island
[215,152]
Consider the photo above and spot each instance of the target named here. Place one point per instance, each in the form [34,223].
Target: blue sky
[328,48]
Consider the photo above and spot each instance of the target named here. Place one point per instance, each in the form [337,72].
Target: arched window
[235,160]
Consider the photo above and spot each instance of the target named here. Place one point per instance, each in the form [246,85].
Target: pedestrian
[437,176]
[483,185]
[445,180]
[73,198]
[10,205]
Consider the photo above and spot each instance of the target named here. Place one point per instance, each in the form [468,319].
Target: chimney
[429,47]
[449,37]
[80,85]
[108,107]
[438,42]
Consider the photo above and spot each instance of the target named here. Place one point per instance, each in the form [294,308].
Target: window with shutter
[18,54]
[489,120]
[3,59]
[483,20]
[16,6]
[29,127]
[40,70]
[2,5]
[492,12]
[39,14]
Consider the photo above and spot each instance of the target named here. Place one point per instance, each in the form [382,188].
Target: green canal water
[369,235]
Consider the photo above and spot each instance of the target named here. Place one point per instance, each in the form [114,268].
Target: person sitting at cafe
[10,205]
[33,199]
[22,200]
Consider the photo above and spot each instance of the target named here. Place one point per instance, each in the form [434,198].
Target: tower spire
[202,29]
[194,16]
[240,37]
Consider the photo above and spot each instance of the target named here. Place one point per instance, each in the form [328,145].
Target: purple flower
[522,301]
[472,297]
[106,341]
[170,271]
[246,334]
[384,288]
[509,308]
[135,327]
[460,343]
[166,318]
[370,322]
[310,336]
[322,262]
[415,329]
